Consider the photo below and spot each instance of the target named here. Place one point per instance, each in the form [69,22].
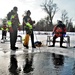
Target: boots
[61,42]
[53,42]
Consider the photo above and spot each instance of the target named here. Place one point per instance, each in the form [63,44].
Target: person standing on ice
[4,29]
[14,25]
[28,23]
[59,31]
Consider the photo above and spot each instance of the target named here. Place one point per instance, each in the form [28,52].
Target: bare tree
[70,25]
[64,16]
[50,8]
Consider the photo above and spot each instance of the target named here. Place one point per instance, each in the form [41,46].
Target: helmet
[15,8]
[28,12]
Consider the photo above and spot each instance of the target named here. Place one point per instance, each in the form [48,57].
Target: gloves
[52,33]
[64,35]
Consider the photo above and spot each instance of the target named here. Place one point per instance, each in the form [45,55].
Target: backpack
[38,43]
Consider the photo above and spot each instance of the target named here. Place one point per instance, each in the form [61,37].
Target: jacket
[28,25]
[13,20]
[4,28]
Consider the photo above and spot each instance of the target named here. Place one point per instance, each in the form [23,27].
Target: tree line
[46,24]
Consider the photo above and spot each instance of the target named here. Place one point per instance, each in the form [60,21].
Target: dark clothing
[4,31]
[32,39]
[61,40]
[4,34]
[15,20]
[13,38]
[25,20]
[14,26]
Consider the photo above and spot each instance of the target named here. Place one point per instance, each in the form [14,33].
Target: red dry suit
[59,30]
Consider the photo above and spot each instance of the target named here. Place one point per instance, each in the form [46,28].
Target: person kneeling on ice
[59,31]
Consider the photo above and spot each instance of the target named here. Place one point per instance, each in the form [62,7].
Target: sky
[37,12]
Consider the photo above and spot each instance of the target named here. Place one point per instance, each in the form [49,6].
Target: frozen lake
[40,61]
[42,36]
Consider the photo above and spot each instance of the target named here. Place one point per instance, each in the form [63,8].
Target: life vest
[12,19]
[5,28]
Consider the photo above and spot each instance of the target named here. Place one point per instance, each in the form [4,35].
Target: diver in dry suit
[59,31]
[27,21]
[14,25]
